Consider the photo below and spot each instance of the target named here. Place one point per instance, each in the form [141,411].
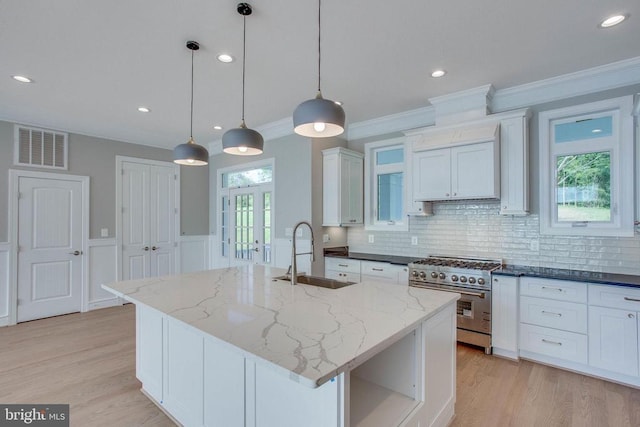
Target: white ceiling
[95,62]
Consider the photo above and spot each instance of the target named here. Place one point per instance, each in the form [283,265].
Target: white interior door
[250,225]
[50,226]
[162,220]
[148,199]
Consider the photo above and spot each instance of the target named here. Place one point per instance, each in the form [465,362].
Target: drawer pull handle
[551,313]
[631,299]
[552,289]
[378,269]
[551,342]
[343,265]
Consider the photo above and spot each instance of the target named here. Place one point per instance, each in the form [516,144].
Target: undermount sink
[322,282]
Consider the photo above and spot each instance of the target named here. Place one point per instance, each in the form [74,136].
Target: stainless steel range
[469,277]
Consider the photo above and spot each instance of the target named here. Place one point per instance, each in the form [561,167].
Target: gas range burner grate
[468,263]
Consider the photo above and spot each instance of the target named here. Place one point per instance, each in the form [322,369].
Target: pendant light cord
[191,128]
[244,58]
[319,51]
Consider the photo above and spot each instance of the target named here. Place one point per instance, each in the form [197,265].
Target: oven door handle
[435,288]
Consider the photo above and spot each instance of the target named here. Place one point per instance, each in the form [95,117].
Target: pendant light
[243,141]
[318,117]
[190,153]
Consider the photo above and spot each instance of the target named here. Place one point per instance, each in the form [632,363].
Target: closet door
[148,218]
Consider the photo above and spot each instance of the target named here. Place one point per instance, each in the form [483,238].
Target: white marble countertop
[308,333]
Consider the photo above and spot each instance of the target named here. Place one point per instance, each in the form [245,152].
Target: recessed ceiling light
[438,73]
[22,79]
[612,20]
[144,109]
[225,57]
[217,127]
[337,102]
[596,131]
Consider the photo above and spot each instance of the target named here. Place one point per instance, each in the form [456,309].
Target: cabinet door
[514,166]
[432,175]
[149,344]
[473,171]
[613,340]
[504,316]
[352,190]
[330,190]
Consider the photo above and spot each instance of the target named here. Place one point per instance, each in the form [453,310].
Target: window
[586,158]
[244,178]
[385,186]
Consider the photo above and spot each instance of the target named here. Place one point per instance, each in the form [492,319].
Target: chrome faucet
[294,264]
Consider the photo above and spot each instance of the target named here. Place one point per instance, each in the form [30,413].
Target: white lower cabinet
[206,382]
[613,329]
[352,270]
[554,343]
[504,316]
[183,384]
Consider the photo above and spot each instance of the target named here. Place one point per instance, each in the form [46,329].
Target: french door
[148,218]
[247,225]
[50,245]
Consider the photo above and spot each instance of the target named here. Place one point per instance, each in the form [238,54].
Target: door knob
[155,248]
[146,248]
[76,253]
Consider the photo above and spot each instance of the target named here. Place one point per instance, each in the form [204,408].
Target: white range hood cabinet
[454,136]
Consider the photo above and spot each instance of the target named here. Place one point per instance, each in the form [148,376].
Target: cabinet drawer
[343,277]
[622,297]
[554,343]
[342,264]
[568,316]
[561,290]
[379,269]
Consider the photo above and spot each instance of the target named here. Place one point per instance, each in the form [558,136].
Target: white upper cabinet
[342,191]
[461,172]
[514,164]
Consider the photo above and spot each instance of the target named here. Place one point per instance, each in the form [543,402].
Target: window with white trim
[586,169]
[385,186]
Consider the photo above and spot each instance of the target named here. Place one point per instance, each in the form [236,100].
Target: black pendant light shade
[243,141]
[190,153]
[318,117]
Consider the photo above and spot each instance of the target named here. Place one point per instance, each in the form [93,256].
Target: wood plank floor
[88,361]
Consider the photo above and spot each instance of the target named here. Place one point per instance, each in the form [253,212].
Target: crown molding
[397,122]
[584,82]
[592,80]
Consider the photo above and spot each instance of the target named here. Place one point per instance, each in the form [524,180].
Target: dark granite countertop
[391,259]
[576,275]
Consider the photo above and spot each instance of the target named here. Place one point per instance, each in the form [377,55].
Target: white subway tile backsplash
[476,229]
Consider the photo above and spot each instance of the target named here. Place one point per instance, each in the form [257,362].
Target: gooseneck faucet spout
[294,254]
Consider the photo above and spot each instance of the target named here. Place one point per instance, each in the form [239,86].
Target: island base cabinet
[149,345]
[201,381]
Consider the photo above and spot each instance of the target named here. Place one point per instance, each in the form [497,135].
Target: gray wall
[95,157]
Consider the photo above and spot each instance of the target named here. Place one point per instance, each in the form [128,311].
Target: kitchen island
[235,347]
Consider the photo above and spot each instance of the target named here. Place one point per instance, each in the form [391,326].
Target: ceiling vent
[40,148]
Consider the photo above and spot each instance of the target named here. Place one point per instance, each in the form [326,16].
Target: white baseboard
[109,302]
[4,321]
[507,354]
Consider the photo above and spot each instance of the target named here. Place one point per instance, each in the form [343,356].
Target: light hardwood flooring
[88,361]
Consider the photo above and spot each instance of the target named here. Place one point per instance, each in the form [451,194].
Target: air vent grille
[40,148]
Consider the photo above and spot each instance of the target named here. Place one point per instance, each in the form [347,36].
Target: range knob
[481,281]
[434,275]
[442,276]
[472,280]
[422,274]
[454,278]
[463,279]
[414,273]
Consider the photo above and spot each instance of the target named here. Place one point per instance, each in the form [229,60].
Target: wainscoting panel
[102,270]
[194,253]
[4,284]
